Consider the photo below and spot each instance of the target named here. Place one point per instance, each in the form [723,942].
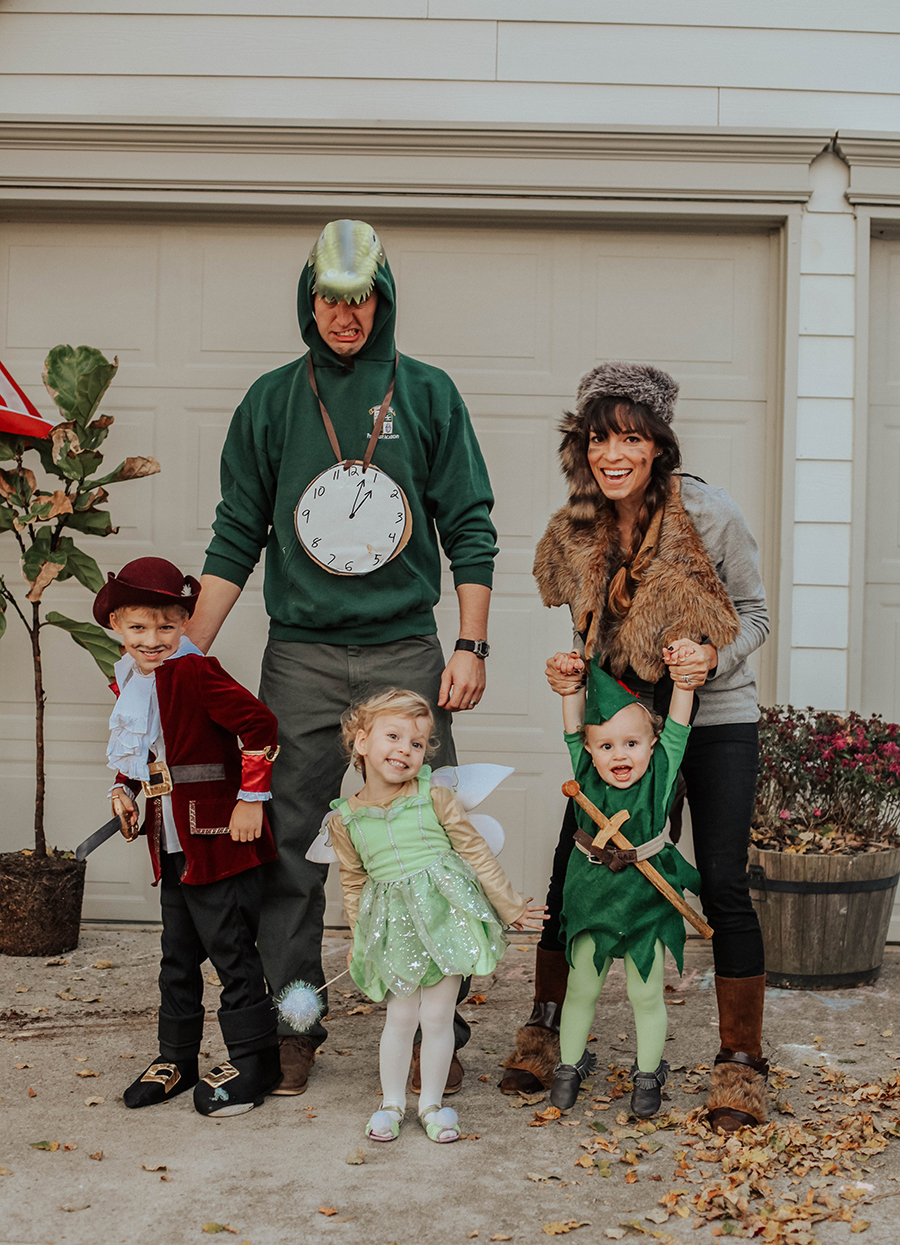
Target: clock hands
[358,501]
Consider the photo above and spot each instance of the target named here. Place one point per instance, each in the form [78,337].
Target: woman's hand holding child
[565,673]
[690,663]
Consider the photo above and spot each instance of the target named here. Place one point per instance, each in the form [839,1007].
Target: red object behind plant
[18,414]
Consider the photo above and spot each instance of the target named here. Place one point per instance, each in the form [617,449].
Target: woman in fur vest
[644,557]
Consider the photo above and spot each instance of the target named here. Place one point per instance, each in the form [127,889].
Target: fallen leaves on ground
[477,999]
[774,1182]
[544,1117]
[212,979]
[86,1072]
[44,1145]
[355,1157]
[328,1211]
[218,1227]
[94,1102]
[157,1167]
[560,1227]
[98,1155]
[5,1171]
[364,1009]
[102,964]
[32,1093]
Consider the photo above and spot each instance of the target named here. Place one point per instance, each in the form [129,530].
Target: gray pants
[308,687]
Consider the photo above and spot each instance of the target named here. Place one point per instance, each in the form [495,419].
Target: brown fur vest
[680,594]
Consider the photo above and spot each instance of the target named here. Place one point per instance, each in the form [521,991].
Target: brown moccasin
[297,1057]
[454,1075]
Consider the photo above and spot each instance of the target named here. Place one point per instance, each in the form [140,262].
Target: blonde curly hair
[395,700]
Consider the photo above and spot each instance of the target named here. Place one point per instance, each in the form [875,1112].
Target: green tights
[646,997]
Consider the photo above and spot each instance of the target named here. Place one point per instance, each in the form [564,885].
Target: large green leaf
[94,522]
[102,647]
[38,553]
[7,517]
[77,380]
[80,564]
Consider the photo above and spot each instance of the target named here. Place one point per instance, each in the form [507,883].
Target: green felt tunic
[623,911]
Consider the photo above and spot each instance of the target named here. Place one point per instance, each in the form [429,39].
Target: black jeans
[719,768]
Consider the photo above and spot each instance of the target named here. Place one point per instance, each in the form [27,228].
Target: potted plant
[825,852]
[41,888]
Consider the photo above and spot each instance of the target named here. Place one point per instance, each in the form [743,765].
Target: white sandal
[384,1124]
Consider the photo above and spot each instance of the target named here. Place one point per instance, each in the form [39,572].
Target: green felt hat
[605,696]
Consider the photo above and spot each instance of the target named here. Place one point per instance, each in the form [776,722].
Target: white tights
[431,1009]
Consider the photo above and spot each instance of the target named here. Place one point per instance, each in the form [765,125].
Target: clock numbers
[350,520]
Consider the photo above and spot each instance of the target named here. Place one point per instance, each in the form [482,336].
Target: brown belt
[616,858]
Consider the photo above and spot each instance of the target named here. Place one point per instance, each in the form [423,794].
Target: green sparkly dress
[422,913]
[623,911]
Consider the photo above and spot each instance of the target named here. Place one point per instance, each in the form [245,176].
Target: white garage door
[197,311]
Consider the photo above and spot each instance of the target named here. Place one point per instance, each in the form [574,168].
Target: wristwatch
[480,648]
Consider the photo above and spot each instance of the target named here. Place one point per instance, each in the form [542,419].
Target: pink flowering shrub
[826,783]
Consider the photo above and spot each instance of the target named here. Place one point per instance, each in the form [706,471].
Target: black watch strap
[480,648]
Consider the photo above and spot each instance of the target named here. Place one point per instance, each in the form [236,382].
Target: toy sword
[610,831]
[119,822]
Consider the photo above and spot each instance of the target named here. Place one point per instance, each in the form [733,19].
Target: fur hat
[641,382]
[151,582]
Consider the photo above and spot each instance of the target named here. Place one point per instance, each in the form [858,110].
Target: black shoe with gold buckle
[238,1085]
[161,1082]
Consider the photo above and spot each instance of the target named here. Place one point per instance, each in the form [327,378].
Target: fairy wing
[471,783]
[320,850]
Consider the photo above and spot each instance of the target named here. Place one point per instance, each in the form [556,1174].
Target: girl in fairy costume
[622,760]
[425,898]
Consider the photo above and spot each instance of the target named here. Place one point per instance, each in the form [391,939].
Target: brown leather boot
[737,1084]
[529,1069]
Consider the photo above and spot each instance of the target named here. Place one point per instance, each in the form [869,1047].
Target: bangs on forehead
[619,415]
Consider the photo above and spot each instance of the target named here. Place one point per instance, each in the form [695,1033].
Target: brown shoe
[454,1075]
[297,1057]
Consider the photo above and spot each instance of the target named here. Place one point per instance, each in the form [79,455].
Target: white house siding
[763,63]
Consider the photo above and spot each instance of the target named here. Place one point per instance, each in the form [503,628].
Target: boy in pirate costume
[173,734]
[622,761]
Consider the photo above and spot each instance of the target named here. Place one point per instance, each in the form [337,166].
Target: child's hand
[565,673]
[246,821]
[123,808]
[533,917]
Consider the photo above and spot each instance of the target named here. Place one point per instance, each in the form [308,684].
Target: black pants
[719,768]
[216,921]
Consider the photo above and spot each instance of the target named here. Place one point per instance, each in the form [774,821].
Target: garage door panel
[516,316]
[883,533]
[100,290]
[727,449]
[881,677]
[692,305]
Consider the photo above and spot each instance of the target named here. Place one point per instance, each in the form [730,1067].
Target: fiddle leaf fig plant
[42,515]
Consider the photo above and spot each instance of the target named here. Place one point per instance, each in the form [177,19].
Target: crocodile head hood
[348,262]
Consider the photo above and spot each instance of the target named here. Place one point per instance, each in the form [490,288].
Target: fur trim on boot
[536,1053]
[737,1098]
[737,1084]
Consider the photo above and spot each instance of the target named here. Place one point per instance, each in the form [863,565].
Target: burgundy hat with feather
[151,582]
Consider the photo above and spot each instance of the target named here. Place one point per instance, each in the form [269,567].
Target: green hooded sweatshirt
[277,444]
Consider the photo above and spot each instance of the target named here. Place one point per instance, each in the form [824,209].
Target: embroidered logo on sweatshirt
[387,431]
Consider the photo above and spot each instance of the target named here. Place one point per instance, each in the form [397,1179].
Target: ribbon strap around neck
[329,426]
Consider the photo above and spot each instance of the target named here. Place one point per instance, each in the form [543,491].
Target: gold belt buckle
[163,785]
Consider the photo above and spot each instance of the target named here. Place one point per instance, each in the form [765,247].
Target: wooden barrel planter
[824,919]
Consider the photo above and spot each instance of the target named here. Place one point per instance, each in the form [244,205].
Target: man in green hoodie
[336,638]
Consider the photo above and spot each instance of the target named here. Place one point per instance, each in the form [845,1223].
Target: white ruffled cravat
[134,725]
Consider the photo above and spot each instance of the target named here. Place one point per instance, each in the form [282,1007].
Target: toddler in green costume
[622,760]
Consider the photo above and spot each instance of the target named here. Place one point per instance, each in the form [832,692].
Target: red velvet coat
[203,710]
